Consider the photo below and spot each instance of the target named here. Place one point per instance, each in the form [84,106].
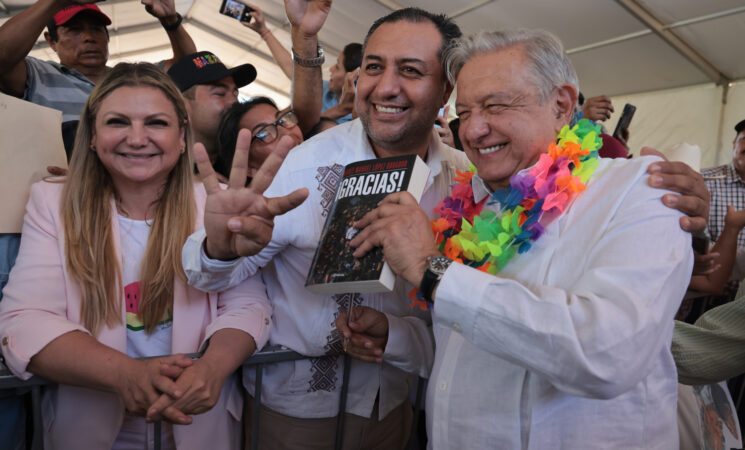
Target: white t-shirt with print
[135,432]
[134,234]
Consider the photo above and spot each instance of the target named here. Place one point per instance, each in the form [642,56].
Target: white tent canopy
[678,61]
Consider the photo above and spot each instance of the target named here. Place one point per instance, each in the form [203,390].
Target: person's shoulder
[339,144]
[48,187]
[46,194]
[621,175]
[200,199]
[341,132]
[715,171]
[626,165]
[619,186]
[41,65]
[33,60]
[200,193]
[457,157]
[199,187]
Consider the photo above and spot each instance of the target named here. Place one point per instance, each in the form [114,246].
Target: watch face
[439,264]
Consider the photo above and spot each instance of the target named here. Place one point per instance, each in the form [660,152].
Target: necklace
[480,238]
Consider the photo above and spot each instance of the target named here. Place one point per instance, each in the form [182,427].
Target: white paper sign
[31,140]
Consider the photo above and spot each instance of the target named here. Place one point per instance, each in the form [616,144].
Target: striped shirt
[712,350]
[726,188]
[55,86]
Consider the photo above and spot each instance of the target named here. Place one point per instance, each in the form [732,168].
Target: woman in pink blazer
[98,283]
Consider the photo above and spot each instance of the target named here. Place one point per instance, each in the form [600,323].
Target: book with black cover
[364,184]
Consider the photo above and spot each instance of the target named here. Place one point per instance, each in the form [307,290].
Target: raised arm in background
[726,247]
[307,17]
[181,43]
[279,52]
[18,36]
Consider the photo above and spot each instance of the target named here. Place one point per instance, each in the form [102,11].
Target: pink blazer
[42,302]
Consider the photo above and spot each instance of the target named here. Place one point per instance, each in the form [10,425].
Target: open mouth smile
[492,149]
[389,109]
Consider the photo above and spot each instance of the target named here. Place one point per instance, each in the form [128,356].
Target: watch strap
[427,286]
[174,25]
[309,62]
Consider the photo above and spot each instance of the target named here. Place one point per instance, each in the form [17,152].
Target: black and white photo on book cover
[364,184]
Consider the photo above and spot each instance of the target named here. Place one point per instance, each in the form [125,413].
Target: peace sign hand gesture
[239,220]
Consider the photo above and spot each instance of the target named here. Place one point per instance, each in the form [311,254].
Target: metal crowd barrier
[268,355]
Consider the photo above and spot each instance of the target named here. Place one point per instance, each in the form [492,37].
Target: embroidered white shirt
[304,321]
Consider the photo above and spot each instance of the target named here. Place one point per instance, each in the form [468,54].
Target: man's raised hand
[258,24]
[163,10]
[239,220]
[308,16]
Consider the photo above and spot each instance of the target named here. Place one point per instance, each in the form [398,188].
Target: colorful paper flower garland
[468,234]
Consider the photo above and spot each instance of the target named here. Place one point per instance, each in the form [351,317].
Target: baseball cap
[740,126]
[205,68]
[65,14]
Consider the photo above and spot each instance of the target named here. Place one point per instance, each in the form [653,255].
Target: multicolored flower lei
[469,234]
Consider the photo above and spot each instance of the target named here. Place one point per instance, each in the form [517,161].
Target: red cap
[65,14]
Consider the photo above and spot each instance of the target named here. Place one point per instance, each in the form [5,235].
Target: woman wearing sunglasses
[267,124]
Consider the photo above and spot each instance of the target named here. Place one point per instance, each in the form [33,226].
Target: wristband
[265,33]
[174,25]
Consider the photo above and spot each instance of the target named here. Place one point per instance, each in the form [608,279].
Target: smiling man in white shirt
[400,89]
[567,345]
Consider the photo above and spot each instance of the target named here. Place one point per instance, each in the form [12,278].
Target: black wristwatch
[436,267]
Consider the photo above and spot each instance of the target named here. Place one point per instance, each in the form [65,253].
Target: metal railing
[268,355]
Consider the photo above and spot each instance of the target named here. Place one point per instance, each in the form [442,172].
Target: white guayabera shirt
[569,346]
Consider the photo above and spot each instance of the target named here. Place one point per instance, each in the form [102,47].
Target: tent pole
[720,131]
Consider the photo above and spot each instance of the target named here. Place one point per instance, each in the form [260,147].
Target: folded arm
[241,327]
[40,338]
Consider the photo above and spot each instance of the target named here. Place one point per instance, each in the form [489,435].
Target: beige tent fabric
[693,114]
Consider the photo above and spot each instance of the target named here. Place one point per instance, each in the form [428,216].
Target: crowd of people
[553,265]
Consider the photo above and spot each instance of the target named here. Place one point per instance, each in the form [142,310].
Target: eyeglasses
[268,133]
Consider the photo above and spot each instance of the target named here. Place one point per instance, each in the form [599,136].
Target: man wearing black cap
[726,184]
[209,88]
[77,33]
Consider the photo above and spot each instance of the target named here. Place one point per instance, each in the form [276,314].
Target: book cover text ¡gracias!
[365,183]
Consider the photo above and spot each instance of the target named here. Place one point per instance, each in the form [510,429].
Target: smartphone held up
[236,10]
[625,120]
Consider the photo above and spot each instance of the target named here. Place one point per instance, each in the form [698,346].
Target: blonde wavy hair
[87,214]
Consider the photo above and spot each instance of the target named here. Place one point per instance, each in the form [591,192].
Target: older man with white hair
[553,326]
